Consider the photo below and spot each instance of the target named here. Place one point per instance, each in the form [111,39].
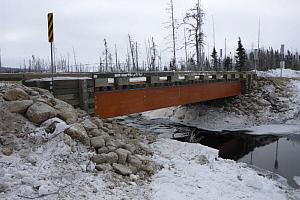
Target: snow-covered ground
[287,73]
[56,170]
[184,178]
[193,172]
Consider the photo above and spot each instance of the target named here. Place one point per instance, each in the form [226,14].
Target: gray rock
[47,100]
[97,121]
[133,169]
[68,140]
[107,125]
[16,94]
[66,112]
[105,158]
[110,142]
[40,112]
[122,169]
[134,161]
[88,125]
[43,92]
[129,147]
[7,150]
[122,154]
[77,132]
[148,168]
[99,159]
[98,132]
[97,142]
[263,102]
[104,167]
[81,113]
[4,187]
[105,129]
[114,142]
[102,150]
[201,159]
[19,106]
[112,157]
[111,148]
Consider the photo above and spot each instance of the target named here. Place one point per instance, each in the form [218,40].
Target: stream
[278,154]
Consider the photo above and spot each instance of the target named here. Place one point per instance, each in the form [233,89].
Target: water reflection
[273,153]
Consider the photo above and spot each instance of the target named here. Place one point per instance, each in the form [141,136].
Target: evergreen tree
[241,57]
[215,60]
[227,63]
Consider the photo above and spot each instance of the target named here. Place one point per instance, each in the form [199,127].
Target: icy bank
[193,171]
[287,73]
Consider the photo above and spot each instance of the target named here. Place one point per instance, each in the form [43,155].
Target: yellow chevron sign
[50,28]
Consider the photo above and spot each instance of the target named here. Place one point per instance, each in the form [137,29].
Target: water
[273,153]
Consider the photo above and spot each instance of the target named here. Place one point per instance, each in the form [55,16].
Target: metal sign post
[50,40]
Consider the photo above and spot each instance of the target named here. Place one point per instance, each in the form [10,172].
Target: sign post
[50,40]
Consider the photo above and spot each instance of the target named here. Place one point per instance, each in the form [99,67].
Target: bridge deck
[112,95]
[123,102]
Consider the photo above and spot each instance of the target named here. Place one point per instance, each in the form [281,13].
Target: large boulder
[19,106]
[40,112]
[16,94]
[122,169]
[77,132]
[105,158]
[122,154]
[98,132]
[89,125]
[43,92]
[97,142]
[66,112]
[135,161]
[97,121]
[104,167]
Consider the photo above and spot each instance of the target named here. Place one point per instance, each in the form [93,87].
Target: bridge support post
[83,95]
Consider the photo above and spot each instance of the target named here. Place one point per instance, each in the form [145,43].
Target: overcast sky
[83,24]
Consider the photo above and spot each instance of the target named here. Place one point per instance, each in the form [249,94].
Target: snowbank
[297,180]
[193,171]
[287,73]
[275,129]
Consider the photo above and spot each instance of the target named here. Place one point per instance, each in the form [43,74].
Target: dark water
[280,155]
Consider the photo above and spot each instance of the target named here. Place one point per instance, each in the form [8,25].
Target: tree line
[151,59]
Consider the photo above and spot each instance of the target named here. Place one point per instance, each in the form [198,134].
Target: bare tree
[75,61]
[194,21]
[132,50]
[116,59]
[172,25]
[106,54]
[153,54]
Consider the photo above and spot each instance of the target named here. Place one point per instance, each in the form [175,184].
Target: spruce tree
[215,60]
[241,57]
[227,63]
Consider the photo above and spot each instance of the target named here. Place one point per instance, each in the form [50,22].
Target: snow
[287,73]
[275,129]
[183,177]
[50,169]
[297,180]
[59,79]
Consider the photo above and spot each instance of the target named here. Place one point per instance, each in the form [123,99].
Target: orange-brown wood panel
[118,103]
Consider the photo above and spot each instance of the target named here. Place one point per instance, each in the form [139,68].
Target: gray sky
[82,25]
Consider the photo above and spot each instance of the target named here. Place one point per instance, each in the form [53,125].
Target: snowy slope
[287,73]
[188,175]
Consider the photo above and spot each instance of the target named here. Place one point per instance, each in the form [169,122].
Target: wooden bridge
[111,95]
